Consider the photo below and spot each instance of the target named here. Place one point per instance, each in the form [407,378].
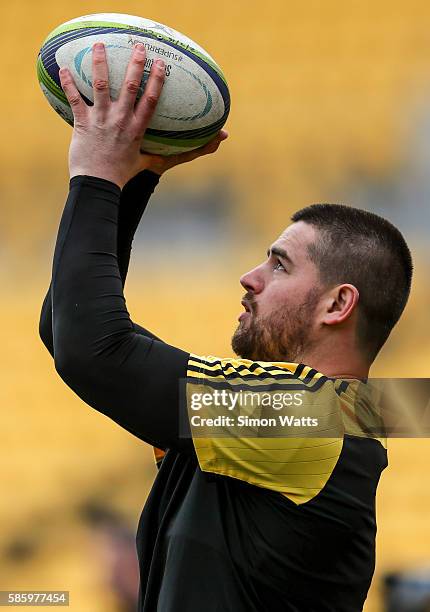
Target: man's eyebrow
[280,253]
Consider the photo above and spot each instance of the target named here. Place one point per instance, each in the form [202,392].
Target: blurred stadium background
[330,102]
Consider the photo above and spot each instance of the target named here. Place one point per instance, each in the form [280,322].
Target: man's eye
[279,266]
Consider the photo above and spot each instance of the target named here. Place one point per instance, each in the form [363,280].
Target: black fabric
[114,365]
[217,544]
[205,542]
[133,202]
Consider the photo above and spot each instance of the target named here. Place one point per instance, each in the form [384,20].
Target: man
[240,518]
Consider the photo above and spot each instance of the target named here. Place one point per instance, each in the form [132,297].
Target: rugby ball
[194,103]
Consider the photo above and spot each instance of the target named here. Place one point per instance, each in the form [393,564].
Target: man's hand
[107,136]
[160,163]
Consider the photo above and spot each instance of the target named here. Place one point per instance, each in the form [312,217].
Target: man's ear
[340,304]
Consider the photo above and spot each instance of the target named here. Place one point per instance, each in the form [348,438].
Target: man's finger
[213,144]
[100,79]
[208,148]
[77,104]
[148,102]
[132,80]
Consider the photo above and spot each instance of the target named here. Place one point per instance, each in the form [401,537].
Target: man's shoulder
[212,367]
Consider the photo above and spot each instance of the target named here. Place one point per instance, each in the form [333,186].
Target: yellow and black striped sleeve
[294,456]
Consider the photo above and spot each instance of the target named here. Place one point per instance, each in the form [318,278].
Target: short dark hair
[358,247]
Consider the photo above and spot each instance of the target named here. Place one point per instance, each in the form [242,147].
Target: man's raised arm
[134,199]
[131,377]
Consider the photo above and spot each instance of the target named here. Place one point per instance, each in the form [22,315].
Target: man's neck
[330,365]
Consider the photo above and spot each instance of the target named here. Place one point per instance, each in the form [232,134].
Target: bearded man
[243,516]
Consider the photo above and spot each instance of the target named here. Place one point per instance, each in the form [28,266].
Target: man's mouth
[247,312]
[246,305]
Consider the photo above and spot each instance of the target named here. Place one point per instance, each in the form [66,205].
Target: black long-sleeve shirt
[134,199]
[130,206]
[233,523]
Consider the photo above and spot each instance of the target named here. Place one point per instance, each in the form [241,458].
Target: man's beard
[284,335]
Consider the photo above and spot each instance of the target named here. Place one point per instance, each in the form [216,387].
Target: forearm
[133,202]
[97,351]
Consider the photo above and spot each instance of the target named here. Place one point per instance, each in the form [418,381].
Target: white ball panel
[187,86]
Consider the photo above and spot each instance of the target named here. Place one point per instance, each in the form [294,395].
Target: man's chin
[247,345]
[237,342]
[241,343]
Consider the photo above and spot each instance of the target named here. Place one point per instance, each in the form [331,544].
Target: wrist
[155,169]
[100,174]
[90,181]
[158,164]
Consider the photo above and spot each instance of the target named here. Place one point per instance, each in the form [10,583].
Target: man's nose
[253,280]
